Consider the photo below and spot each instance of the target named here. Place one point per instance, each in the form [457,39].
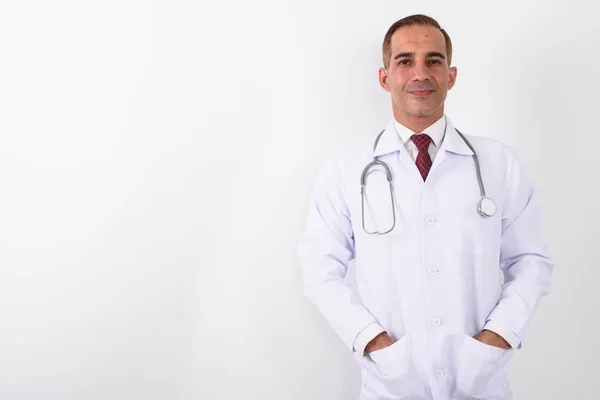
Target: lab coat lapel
[451,143]
[390,142]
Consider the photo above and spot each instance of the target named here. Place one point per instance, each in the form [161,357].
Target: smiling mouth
[421,93]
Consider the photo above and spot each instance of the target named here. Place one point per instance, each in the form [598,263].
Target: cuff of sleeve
[365,336]
[507,334]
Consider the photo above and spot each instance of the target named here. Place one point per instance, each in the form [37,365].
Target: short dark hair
[412,20]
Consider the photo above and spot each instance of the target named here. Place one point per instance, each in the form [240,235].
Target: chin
[422,110]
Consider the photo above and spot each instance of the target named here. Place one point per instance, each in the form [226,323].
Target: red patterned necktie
[423,161]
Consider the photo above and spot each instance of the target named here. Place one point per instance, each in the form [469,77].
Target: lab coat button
[436,321]
[430,220]
[440,373]
[433,271]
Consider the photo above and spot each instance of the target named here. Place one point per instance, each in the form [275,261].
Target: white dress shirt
[437,132]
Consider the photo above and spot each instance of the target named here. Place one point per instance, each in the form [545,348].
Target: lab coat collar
[435,131]
[455,143]
[390,142]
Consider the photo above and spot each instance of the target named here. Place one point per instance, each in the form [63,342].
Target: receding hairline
[412,21]
[433,51]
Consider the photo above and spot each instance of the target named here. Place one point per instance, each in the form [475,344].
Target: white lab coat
[435,280]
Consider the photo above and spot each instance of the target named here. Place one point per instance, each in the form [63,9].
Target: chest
[442,210]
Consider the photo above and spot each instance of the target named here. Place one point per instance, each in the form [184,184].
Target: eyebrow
[411,54]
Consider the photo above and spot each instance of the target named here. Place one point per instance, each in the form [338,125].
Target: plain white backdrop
[156,159]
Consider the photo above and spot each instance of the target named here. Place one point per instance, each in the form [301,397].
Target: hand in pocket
[477,365]
[392,361]
[393,373]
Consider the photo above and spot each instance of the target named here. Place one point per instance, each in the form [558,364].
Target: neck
[415,123]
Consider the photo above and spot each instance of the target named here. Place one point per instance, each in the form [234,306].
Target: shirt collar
[435,131]
[389,140]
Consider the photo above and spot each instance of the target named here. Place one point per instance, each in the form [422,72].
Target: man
[449,285]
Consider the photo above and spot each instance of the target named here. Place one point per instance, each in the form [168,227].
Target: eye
[403,62]
[435,62]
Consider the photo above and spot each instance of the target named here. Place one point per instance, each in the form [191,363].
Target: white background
[156,159]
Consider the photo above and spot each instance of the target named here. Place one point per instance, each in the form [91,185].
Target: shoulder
[486,143]
[500,157]
[489,147]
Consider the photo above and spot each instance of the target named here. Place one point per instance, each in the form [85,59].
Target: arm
[325,250]
[524,258]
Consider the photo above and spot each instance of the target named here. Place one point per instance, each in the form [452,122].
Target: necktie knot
[422,141]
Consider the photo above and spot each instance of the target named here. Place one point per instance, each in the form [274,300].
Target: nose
[420,72]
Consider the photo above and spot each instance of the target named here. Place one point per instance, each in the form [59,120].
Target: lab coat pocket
[392,361]
[478,363]
[392,374]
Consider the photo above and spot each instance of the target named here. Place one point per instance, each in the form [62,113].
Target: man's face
[418,76]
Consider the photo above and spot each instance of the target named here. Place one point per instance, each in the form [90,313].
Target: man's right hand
[379,342]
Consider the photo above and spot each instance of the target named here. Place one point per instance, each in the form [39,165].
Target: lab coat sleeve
[365,336]
[324,251]
[507,334]
[524,256]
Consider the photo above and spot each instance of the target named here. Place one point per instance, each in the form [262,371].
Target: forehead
[418,39]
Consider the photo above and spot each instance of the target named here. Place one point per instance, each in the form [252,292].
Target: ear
[452,71]
[383,79]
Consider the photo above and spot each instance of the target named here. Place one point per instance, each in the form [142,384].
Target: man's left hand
[492,339]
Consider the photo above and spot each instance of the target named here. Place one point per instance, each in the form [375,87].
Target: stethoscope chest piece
[487,207]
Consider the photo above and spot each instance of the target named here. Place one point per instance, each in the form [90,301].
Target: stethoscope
[487,206]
